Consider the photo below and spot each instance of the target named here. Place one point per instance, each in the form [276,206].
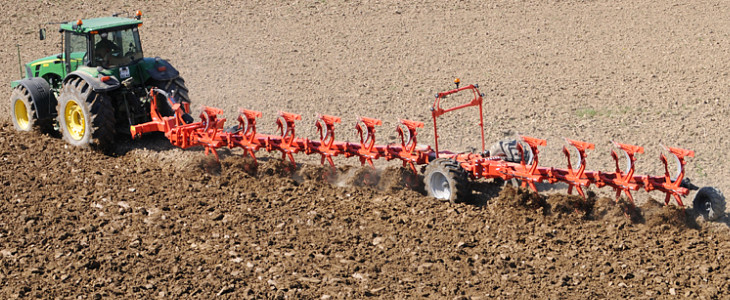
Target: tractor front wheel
[85,117]
[446,180]
[22,109]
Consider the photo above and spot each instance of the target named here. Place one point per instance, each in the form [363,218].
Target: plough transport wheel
[446,180]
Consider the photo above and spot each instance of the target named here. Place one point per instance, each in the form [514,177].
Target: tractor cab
[111,43]
[109,48]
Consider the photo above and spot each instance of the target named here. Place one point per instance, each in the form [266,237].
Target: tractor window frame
[72,43]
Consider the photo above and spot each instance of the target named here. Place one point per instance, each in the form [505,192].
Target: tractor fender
[161,70]
[95,83]
[40,93]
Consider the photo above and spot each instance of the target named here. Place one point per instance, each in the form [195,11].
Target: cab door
[77,51]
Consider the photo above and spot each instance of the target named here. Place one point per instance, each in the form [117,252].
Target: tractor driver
[103,49]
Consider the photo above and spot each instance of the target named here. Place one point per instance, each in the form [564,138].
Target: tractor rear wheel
[85,117]
[446,180]
[176,86]
[22,109]
[710,203]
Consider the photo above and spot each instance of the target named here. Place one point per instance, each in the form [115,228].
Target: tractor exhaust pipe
[20,62]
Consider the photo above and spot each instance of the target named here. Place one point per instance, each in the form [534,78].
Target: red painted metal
[437,111]
[326,127]
[209,133]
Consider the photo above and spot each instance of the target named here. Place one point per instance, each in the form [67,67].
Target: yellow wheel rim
[21,115]
[75,123]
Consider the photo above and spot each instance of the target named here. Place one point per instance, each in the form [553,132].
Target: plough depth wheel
[507,149]
[709,203]
[446,180]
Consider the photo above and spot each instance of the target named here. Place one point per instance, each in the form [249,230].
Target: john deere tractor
[97,86]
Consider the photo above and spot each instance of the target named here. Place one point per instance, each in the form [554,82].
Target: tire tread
[453,172]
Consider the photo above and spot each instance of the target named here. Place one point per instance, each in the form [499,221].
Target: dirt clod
[523,198]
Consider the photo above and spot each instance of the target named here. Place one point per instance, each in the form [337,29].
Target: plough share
[447,171]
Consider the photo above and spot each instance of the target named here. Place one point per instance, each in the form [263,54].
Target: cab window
[116,48]
[76,50]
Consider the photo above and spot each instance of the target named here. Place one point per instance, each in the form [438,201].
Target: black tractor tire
[22,109]
[177,87]
[85,117]
[507,149]
[446,180]
[710,203]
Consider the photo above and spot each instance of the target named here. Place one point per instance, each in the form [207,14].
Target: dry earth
[154,221]
[74,223]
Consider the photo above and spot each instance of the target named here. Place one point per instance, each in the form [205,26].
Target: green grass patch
[586,112]
[700,170]
[592,112]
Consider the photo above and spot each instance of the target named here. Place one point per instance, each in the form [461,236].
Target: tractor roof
[99,24]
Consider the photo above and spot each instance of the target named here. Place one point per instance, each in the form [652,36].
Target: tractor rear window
[117,48]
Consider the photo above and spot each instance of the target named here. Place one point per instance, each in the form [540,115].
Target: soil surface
[153,221]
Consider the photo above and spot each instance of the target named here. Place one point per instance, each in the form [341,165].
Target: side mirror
[42,34]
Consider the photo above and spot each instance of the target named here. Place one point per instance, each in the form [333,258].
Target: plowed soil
[151,221]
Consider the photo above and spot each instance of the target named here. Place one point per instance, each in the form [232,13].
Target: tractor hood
[143,70]
[40,66]
[46,60]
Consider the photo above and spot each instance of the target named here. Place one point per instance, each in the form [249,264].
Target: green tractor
[98,86]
